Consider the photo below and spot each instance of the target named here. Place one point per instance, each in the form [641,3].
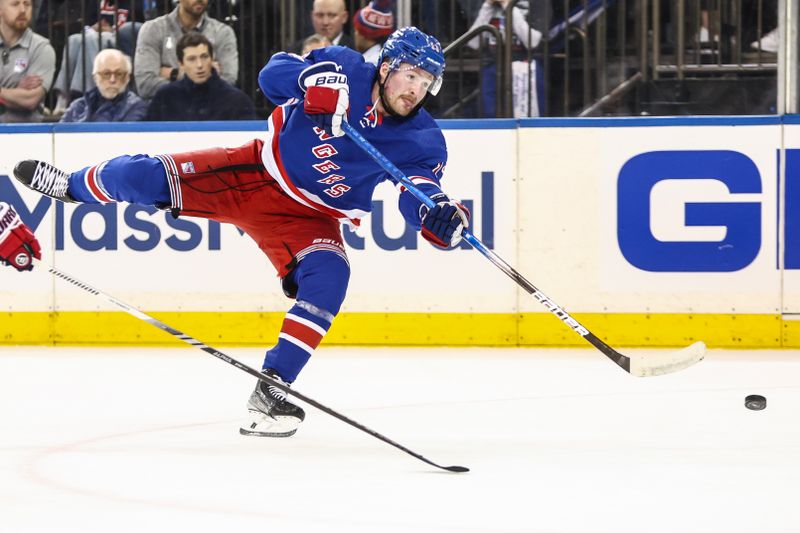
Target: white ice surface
[146,440]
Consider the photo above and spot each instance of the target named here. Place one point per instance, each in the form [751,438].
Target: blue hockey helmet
[410,45]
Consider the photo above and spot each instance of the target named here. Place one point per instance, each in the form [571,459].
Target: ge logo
[741,220]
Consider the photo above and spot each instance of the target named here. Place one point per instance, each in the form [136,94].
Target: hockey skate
[44,178]
[270,414]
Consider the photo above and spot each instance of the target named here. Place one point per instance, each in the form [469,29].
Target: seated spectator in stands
[328,18]
[27,64]
[314,42]
[110,100]
[201,94]
[112,30]
[372,24]
[156,62]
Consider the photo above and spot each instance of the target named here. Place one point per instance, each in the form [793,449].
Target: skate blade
[261,425]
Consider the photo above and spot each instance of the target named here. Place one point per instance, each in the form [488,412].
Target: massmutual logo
[95,227]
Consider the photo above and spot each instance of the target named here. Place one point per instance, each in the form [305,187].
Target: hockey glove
[327,99]
[18,244]
[442,225]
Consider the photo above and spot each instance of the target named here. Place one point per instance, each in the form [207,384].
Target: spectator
[112,30]
[526,77]
[328,18]
[201,94]
[372,25]
[110,100]
[156,62]
[27,64]
[313,42]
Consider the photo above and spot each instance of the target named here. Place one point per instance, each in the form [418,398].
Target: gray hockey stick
[640,366]
[241,366]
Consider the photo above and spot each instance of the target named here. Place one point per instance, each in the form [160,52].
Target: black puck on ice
[755,402]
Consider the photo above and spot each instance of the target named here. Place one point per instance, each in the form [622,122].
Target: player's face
[328,17]
[405,87]
[197,63]
[112,76]
[16,14]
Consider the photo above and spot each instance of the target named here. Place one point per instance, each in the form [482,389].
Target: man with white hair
[110,100]
[112,30]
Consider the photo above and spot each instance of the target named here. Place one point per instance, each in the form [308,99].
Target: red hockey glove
[442,225]
[18,244]
[327,99]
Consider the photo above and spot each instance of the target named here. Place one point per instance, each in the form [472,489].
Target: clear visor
[421,78]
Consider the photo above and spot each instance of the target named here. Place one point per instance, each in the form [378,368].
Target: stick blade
[657,365]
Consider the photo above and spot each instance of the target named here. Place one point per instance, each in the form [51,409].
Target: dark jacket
[215,99]
[92,107]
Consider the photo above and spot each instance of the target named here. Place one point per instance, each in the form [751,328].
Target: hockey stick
[639,366]
[241,366]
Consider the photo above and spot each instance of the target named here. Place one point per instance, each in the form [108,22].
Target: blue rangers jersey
[332,174]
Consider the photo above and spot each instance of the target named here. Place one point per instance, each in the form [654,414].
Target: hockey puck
[755,402]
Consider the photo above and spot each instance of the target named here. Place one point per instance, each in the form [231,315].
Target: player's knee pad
[321,279]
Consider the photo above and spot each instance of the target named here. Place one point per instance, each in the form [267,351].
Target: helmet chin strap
[388,108]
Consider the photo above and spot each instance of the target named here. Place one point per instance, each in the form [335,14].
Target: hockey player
[291,192]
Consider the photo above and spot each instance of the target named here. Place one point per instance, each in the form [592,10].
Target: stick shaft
[618,358]
[241,366]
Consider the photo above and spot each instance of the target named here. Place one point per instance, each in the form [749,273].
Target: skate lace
[276,393]
[49,180]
